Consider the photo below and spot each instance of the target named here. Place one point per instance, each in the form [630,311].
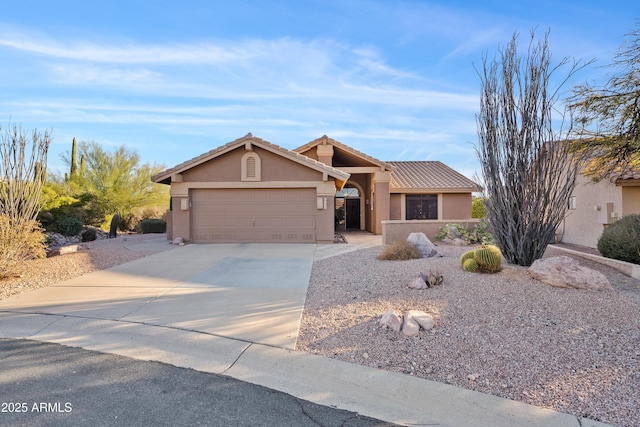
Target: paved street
[55,385]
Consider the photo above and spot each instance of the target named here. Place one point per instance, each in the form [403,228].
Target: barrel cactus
[465,256]
[489,258]
[470,265]
[485,259]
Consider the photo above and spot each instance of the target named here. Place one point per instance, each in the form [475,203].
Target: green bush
[398,251]
[69,225]
[132,221]
[621,240]
[153,225]
[477,208]
[89,235]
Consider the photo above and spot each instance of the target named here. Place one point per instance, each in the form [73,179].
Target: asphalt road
[43,384]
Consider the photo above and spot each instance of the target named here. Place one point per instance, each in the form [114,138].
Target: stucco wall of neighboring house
[630,200]
[456,206]
[594,203]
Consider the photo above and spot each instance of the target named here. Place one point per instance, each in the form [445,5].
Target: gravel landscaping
[505,334]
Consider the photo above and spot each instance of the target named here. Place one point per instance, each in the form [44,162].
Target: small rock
[365,355]
[410,327]
[472,377]
[417,283]
[391,319]
[178,241]
[421,318]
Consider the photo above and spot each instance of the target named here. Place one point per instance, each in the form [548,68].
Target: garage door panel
[253,215]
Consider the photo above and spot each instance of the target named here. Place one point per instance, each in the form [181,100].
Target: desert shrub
[153,225]
[131,222]
[69,225]
[19,243]
[478,235]
[89,234]
[477,208]
[398,251]
[621,240]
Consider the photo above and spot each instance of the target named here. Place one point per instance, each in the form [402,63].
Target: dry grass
[399,251]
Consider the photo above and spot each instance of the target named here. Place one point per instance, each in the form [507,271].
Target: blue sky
[172,80]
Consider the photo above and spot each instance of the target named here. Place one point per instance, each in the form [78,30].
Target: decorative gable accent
[251,167]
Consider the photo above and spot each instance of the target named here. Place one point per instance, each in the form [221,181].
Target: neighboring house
[251,190]
[593,206]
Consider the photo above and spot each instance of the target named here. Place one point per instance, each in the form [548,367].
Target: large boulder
[424,245]
[565,272]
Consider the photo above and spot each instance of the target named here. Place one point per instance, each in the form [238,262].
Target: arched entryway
[349,208]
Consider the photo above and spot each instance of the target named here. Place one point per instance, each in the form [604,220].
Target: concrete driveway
[248,292]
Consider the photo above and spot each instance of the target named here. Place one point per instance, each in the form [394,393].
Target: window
[251,167]
[422,206]
[572,202]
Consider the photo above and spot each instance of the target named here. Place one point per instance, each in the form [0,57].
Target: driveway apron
[249,292]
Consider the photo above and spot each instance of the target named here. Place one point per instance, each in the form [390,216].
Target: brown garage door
[253,215]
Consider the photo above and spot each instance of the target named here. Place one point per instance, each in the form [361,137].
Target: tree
[609,116]
[527,167]
[117,181]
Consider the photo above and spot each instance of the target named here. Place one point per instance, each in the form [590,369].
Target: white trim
[246,170]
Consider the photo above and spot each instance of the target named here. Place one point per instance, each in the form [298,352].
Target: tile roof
[324,139]
[617,178]
[254,140]
[410,175]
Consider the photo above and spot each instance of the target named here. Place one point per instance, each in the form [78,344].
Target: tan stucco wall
[227,168]
[394,230]
[584,225]
[395,206]
[225,171]
[381,205]
[180,219]
[456,206]
[451,206]
[325,221]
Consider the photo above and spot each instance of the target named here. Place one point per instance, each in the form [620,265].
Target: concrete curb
[389,396]
[632,270]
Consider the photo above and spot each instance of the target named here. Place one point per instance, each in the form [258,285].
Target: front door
[353,213]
